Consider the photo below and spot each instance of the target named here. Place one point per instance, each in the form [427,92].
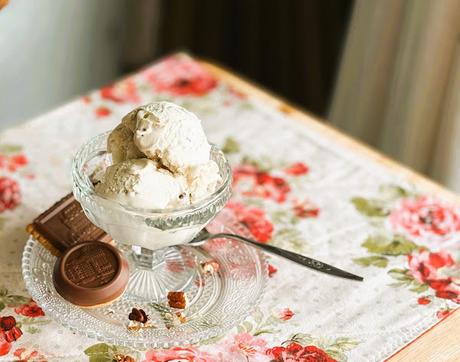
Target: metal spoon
[205,235]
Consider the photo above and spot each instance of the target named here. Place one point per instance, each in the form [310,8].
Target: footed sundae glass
[149,238]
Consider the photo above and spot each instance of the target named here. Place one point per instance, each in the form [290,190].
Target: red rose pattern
[7,323]
[247,345]
[9,333]
[271,270]
[180,76]
[102,112]
[22,354]
[294,352]
[13,163]
[30,309]
[254,219]
[425,217]
[4,345]
[443,313]
[297,169]
[305,209]
[423,300]
[438,271]
[261,183]
[10,195]
[237,93]
[286,314]
[124,91]
[185,354]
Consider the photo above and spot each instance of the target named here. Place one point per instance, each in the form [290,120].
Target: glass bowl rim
[83,183]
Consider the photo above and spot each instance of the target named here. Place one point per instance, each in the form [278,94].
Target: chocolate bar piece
[63,225]
[91,274]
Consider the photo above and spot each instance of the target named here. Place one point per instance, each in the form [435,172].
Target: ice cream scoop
[141,183]
[202,180]
[161,159]
[167,132]
[120,144]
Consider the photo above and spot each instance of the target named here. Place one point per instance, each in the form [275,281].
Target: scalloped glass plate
[217,302]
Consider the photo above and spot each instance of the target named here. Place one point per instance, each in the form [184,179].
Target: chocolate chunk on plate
[91,274]
[63,225]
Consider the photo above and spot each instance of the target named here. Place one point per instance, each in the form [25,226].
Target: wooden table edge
[427,345]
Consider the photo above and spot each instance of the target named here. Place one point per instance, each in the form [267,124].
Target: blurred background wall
[51,51]
[385,71]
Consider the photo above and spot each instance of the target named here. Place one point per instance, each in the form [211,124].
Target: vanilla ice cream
[202,180]
[121,145]
[165,131]
[140,183]
[161,159]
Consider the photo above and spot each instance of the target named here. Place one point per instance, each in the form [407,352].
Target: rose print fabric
[426,218]
[293,188]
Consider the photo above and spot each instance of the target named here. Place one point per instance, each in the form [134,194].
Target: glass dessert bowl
[149,238]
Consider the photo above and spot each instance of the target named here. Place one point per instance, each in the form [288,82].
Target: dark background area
[291,47]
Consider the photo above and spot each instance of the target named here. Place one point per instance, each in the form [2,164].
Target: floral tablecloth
[293,188]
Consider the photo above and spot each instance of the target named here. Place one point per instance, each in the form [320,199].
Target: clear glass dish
[152,229]
[218,301]
[147,237]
